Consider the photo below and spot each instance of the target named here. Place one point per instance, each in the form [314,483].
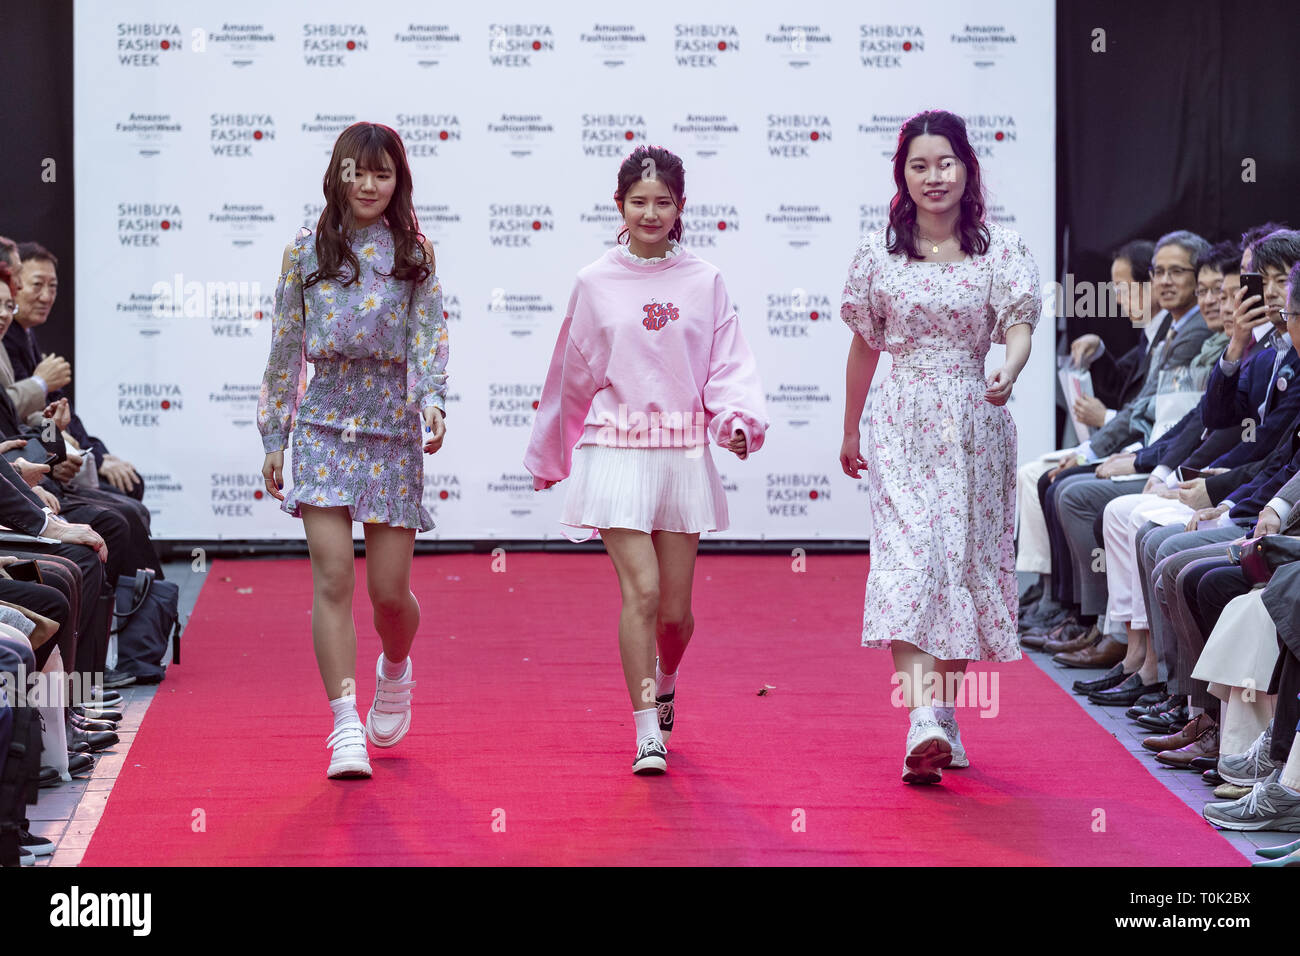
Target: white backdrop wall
[203,130]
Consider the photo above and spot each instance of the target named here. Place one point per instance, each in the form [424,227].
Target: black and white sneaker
[37,846]
[665,705]
[650,756]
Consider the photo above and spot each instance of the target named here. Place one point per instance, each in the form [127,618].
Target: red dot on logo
[352,44]
[165,224]
[813,495]
[165,44]
[535,404]
[257,134]
[442,134]
[813,316]
[536,224]
[537,44]
[166,404]
[999,135]
[629,135]
[722,44]
[814,135]
[443,494]
[257,314]
[257,495]
[722,225]
[445,315]
[907,45]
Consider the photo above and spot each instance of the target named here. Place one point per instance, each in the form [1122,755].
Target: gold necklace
[934,246]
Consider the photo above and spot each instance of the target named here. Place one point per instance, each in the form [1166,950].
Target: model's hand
[273,473]
[436,430]
[1193,494]
[737,444]
[999,390]
[851,459]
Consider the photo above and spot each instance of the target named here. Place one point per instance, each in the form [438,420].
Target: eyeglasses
[1288,316]
[1174,272]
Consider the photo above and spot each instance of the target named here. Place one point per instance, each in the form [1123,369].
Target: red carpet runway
[521,747]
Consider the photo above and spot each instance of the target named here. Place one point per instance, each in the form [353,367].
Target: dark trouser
[1286,719]
[117,520]
[52,599]
[1217,587]
[1063,573]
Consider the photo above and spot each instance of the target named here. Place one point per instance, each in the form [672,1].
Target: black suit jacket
[1117,381]
[24,355]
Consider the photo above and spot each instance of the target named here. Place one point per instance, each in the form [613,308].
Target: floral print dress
[379,348]
[941,461]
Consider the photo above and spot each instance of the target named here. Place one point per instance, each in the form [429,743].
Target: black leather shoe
[78,746]
[1106,681]
[1202,764]
[1032,596]
[96,741]
[1212,777]
[1142,710]
[1127,693]
[1152,700]
[92,713]
[84,723]
[79,764]
[1167,721]
[49,778]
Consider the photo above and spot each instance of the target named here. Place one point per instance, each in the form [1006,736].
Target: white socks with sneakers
[393,671]
[664,683]
[647,724]
[345,710]
[944,712]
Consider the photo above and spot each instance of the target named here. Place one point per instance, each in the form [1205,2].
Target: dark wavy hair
[650,163]
[366,145]
[900,234]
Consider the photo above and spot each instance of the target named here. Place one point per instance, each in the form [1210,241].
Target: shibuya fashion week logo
[231,494]
[610,135]
[148,133]
[512,404]
[235,134]
[887,46]
[331,44]
[989,131]
[427,43]
[795,135]
[872,216]
[146,44]
[798,224]
[984,43]
[521,133]
[440,489]
[234,307]
[324,128]
[143,224]
[655,428]
[790,494]
[794,314]
[425,133]
[612,43]
[704,45]
[658,315]
[516,224]
[706,134]
[705,223]
[516,45]
[143,404]
[799,44]
[238,313]
[242,43]
[242,223]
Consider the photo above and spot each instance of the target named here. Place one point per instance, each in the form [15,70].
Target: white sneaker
[959,761]
[390,715]
[928,752]
[650,756]
[350,758]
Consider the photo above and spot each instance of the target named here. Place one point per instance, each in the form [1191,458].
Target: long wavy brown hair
[900,234]
[366,145]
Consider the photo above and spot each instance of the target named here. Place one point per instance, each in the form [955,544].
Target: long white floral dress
[941,461]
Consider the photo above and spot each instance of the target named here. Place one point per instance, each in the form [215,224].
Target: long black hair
[650,163]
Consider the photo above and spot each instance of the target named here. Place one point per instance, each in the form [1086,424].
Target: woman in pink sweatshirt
[649,367]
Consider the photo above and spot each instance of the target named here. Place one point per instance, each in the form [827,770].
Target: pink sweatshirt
[648,356]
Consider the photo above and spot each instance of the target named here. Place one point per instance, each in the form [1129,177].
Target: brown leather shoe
[1206,744]
[1106,653]
[1191,730]
[1076,639]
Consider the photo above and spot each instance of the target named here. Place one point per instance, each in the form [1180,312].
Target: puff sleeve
[566,398]
[733,393]
[856,308]
[285,379]
[1015,295]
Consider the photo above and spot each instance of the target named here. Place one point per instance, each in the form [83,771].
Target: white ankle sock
[921,714]
[664,683]
[647,724]
[345,710]
[393,671]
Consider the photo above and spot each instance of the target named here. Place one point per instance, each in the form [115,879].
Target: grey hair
[1189,241]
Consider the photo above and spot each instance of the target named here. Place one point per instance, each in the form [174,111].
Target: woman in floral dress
[935,288]
[361,301]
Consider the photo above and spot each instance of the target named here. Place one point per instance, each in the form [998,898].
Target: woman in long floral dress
[935,288]
[361,301]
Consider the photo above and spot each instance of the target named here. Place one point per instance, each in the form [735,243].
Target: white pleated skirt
[645,489]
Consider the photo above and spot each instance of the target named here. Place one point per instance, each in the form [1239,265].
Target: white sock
[393,671]
[921,714]
[664,683]
[1195,711]
[647,724]
[945,712]
[345,710]
[1289,778]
